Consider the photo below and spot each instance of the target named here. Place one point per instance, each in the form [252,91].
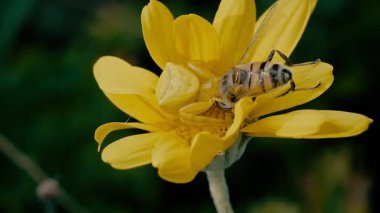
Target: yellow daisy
[186,130]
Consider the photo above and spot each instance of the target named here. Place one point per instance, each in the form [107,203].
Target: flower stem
[39,176]
[219,191]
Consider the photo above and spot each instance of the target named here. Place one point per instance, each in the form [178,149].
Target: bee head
[234,98]
[236,92]
[232,87]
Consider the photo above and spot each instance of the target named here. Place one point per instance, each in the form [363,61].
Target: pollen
[218,113]
[188,131]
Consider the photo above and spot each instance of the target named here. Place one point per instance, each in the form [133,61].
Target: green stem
[219,191]
[37,174]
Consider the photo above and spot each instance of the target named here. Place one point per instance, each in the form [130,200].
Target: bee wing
[260,25]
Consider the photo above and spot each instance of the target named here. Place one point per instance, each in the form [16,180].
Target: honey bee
[257,78]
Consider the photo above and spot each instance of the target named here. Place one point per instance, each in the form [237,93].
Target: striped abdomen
[251,80]
[267,76]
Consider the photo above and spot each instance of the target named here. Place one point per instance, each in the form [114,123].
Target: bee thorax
[251,80]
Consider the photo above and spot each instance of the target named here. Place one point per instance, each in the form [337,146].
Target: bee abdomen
[274,75]
[279,75]
[266,76]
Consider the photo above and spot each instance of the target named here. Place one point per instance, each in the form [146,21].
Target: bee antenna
[259,29]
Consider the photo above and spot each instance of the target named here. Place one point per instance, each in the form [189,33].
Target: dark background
[50,106]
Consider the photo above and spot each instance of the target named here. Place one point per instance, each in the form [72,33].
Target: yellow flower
[186,130]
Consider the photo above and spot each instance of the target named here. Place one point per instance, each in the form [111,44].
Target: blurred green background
[50,106]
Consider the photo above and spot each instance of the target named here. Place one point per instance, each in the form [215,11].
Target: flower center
[188,132]
[216,121]
[216,112]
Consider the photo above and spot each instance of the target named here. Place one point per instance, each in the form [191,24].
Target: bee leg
[307,63]
[287,60]
[282,55]
[291,89]
[310,88]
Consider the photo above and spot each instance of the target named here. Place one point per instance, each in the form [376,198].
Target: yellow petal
[209,89]
[305,77]
[234,22]
[242,110]
[144,110]
[310,124]
[195,39]
[130,88]
[192,115]
[204,148]
[157,25]
[283,28]
[177,87]
[105,129]
[294,124]
[197,108]
[114,75]
[131,151]
[171,156]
